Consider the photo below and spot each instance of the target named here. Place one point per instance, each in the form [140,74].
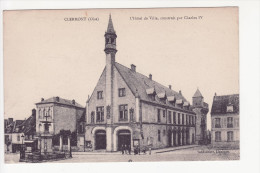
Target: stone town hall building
[129,108]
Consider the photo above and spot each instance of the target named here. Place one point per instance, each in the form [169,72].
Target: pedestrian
[139,150]
[129,149]
[123,149]
[150,150]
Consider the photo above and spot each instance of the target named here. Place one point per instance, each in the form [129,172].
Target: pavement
[103,152]
[181,153]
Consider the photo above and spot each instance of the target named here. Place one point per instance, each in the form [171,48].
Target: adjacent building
[225,131]
[129,108]
[13,136]
[201,109]
[60,115]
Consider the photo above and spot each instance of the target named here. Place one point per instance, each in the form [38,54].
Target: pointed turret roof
[197,93]
[110,27]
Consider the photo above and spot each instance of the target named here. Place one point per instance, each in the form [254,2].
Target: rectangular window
[174,117]
[159,135]
[230,122]
[186,119]
[121,92]
[170,116]
[100,95]
[123,112]
[163,113]
[190,120]
[100,114]
[230,136]
[18,137]
[164,132]
[217,123]
[158,115]
[179,118]
[217,136]
[92,117]
[182,119]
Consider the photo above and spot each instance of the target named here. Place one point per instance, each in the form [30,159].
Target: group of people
[126,149]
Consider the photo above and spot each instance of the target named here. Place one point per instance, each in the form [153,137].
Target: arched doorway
[124,138]
[100,139]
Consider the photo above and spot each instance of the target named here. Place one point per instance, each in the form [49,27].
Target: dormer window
[151,93]
[171,99]
[162,97]
[230,108]
[121,92]
[100,95]
[179,102]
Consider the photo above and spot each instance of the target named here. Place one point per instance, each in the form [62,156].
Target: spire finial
[110,27]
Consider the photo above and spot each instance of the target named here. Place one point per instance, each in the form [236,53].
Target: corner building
[129,108]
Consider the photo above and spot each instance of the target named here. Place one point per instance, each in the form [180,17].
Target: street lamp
[22,152]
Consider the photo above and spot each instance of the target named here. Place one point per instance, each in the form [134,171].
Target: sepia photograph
[121,85]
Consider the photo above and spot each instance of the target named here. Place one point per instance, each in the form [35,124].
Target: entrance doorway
[124,138]
[169,138]
[100,140]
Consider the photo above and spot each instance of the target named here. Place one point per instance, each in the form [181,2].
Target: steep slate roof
[11,128]
[140,83]
[28,126]
[61,101]
[220,103]
[197,94]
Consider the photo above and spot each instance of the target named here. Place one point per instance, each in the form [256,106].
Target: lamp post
[22,154]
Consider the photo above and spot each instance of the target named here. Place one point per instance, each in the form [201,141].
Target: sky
[47,56]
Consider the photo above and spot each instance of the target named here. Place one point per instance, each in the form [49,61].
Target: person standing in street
[122,149]
[129,149]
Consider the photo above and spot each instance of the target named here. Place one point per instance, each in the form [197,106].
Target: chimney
[42,99]
[10,120]
[151,76]
[133,67]
[57,99]
[215,94]
[180,92]
[170,86]
[73,102]
[33,111]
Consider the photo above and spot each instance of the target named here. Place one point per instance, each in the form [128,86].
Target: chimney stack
[151,76]
[73,102]
[133,67]
[170,86]
[42,99]
[33,112]
[180,92]
[57,99]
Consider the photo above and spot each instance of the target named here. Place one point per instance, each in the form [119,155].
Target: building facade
[225,121]
[61,115]
[201,109]
[129,108]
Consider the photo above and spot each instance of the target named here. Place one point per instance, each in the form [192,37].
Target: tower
[110,50]
[201,109]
